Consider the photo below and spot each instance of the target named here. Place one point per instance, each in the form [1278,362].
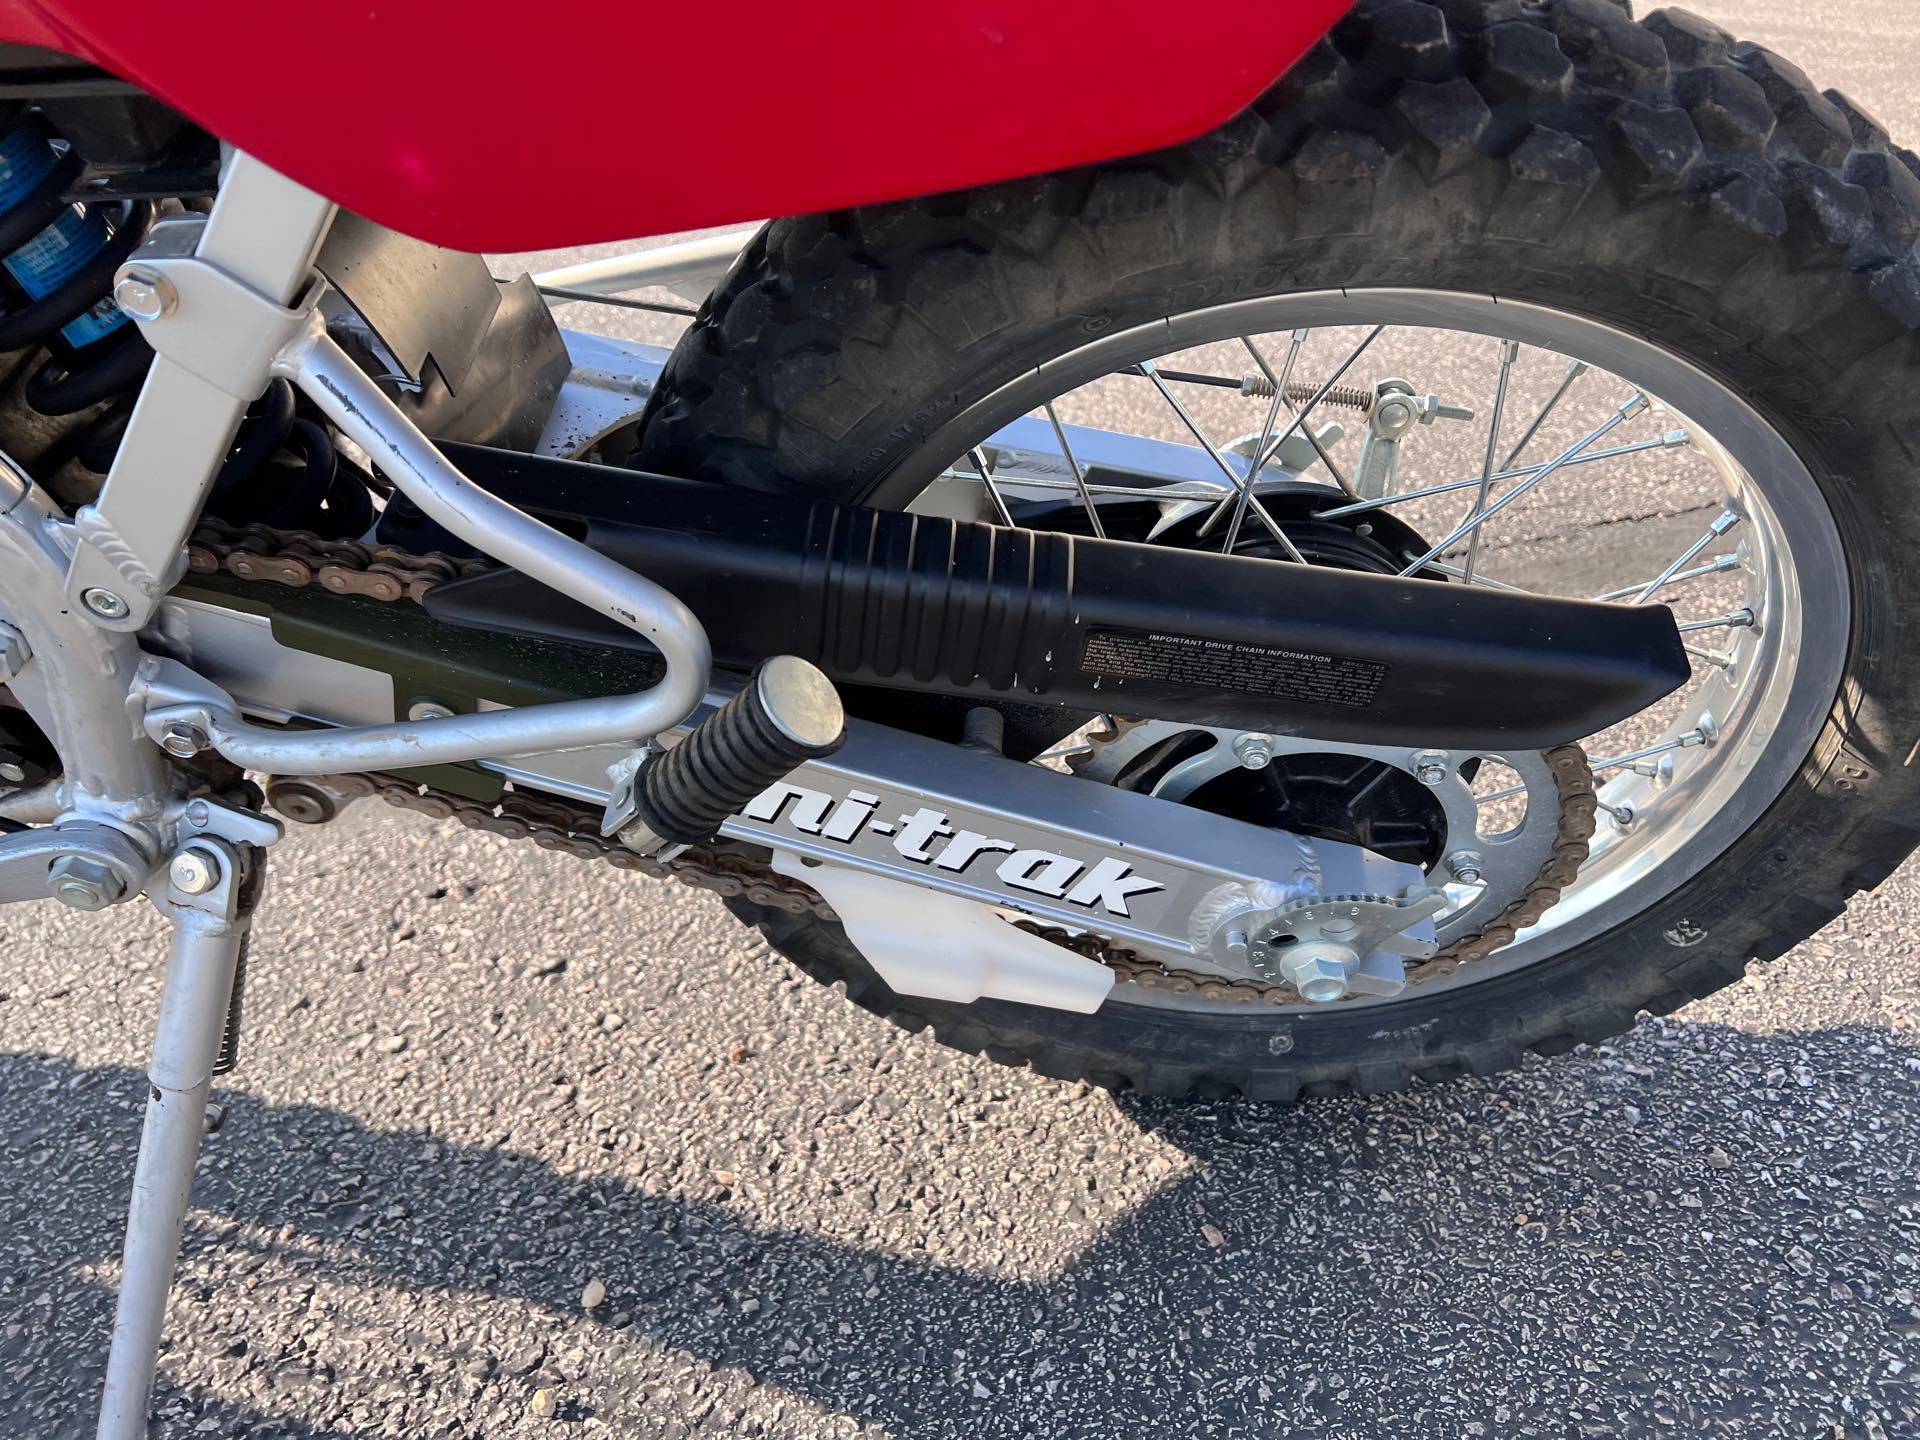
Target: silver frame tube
[349,398]
[689,265]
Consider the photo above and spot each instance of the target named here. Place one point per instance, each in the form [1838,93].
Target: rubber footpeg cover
[788,713]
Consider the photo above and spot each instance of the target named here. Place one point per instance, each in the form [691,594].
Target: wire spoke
[1575,369]
[1243,488]
[1187,491]
[1741,619]
[1722,523]
[1719,565]
[979,458]
[1613,452]
[1280,387]
[1246,490]
[1509,352]
[1457,573]
[1261,458]
[1626,412]
[1079,476]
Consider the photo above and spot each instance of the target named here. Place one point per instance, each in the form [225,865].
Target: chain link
[300,559]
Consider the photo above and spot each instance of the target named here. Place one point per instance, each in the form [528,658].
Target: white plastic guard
[945,948]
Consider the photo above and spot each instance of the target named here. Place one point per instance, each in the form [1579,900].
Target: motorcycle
[1373,554]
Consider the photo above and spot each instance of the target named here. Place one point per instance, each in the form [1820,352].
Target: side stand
[208,896]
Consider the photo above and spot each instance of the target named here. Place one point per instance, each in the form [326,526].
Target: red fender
[489,126]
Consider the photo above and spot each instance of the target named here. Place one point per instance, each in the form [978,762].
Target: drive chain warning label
[1235,665]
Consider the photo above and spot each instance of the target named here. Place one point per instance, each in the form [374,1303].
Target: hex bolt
[144,294]
[1318,970]
[104,603]
[1254,750]
[1465,866]
[183,740]
[83,884]
[193,872]
[429,710]
[1431,767]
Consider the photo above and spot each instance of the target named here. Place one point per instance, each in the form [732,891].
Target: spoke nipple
[1676,437]
[1634,406]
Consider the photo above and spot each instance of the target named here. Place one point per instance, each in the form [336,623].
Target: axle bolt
[193,872]
[104,603]
[182,740]
[1430,767]
[1255,751]
[429,710]
[1318,969]
[144,294]
[83,884]
[1465,866]
[12,772]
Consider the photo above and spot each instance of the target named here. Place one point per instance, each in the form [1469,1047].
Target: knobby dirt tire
[1655,176]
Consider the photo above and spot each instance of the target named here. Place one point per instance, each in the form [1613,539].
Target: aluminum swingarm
[229,303]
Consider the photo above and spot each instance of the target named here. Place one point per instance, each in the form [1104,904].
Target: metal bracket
[261,238]
[27,856]
[1395,410]
[216,328]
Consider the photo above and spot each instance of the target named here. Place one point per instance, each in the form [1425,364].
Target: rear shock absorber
[57,280]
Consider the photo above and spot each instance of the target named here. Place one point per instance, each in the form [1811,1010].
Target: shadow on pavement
[1639,1284]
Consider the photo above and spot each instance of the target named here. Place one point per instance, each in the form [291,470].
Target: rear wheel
[1535,213]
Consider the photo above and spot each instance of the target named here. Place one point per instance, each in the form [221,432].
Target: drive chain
[300,559]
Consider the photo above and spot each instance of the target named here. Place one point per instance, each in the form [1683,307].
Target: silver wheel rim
[1767,705]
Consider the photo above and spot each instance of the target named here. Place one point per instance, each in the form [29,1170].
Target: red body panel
[492,126]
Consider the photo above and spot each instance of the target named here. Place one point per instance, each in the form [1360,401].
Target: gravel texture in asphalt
[522,1146]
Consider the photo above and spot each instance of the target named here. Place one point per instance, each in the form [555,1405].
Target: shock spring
[56,279]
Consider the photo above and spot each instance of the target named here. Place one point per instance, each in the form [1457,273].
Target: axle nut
[83,884]
[1318,970]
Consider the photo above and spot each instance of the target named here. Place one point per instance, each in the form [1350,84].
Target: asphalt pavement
[522,1146]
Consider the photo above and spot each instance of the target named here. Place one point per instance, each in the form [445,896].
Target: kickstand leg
[208,930]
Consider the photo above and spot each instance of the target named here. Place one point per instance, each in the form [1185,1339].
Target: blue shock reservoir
[57,267]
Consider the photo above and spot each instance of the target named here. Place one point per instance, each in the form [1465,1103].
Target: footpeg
[787,715]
